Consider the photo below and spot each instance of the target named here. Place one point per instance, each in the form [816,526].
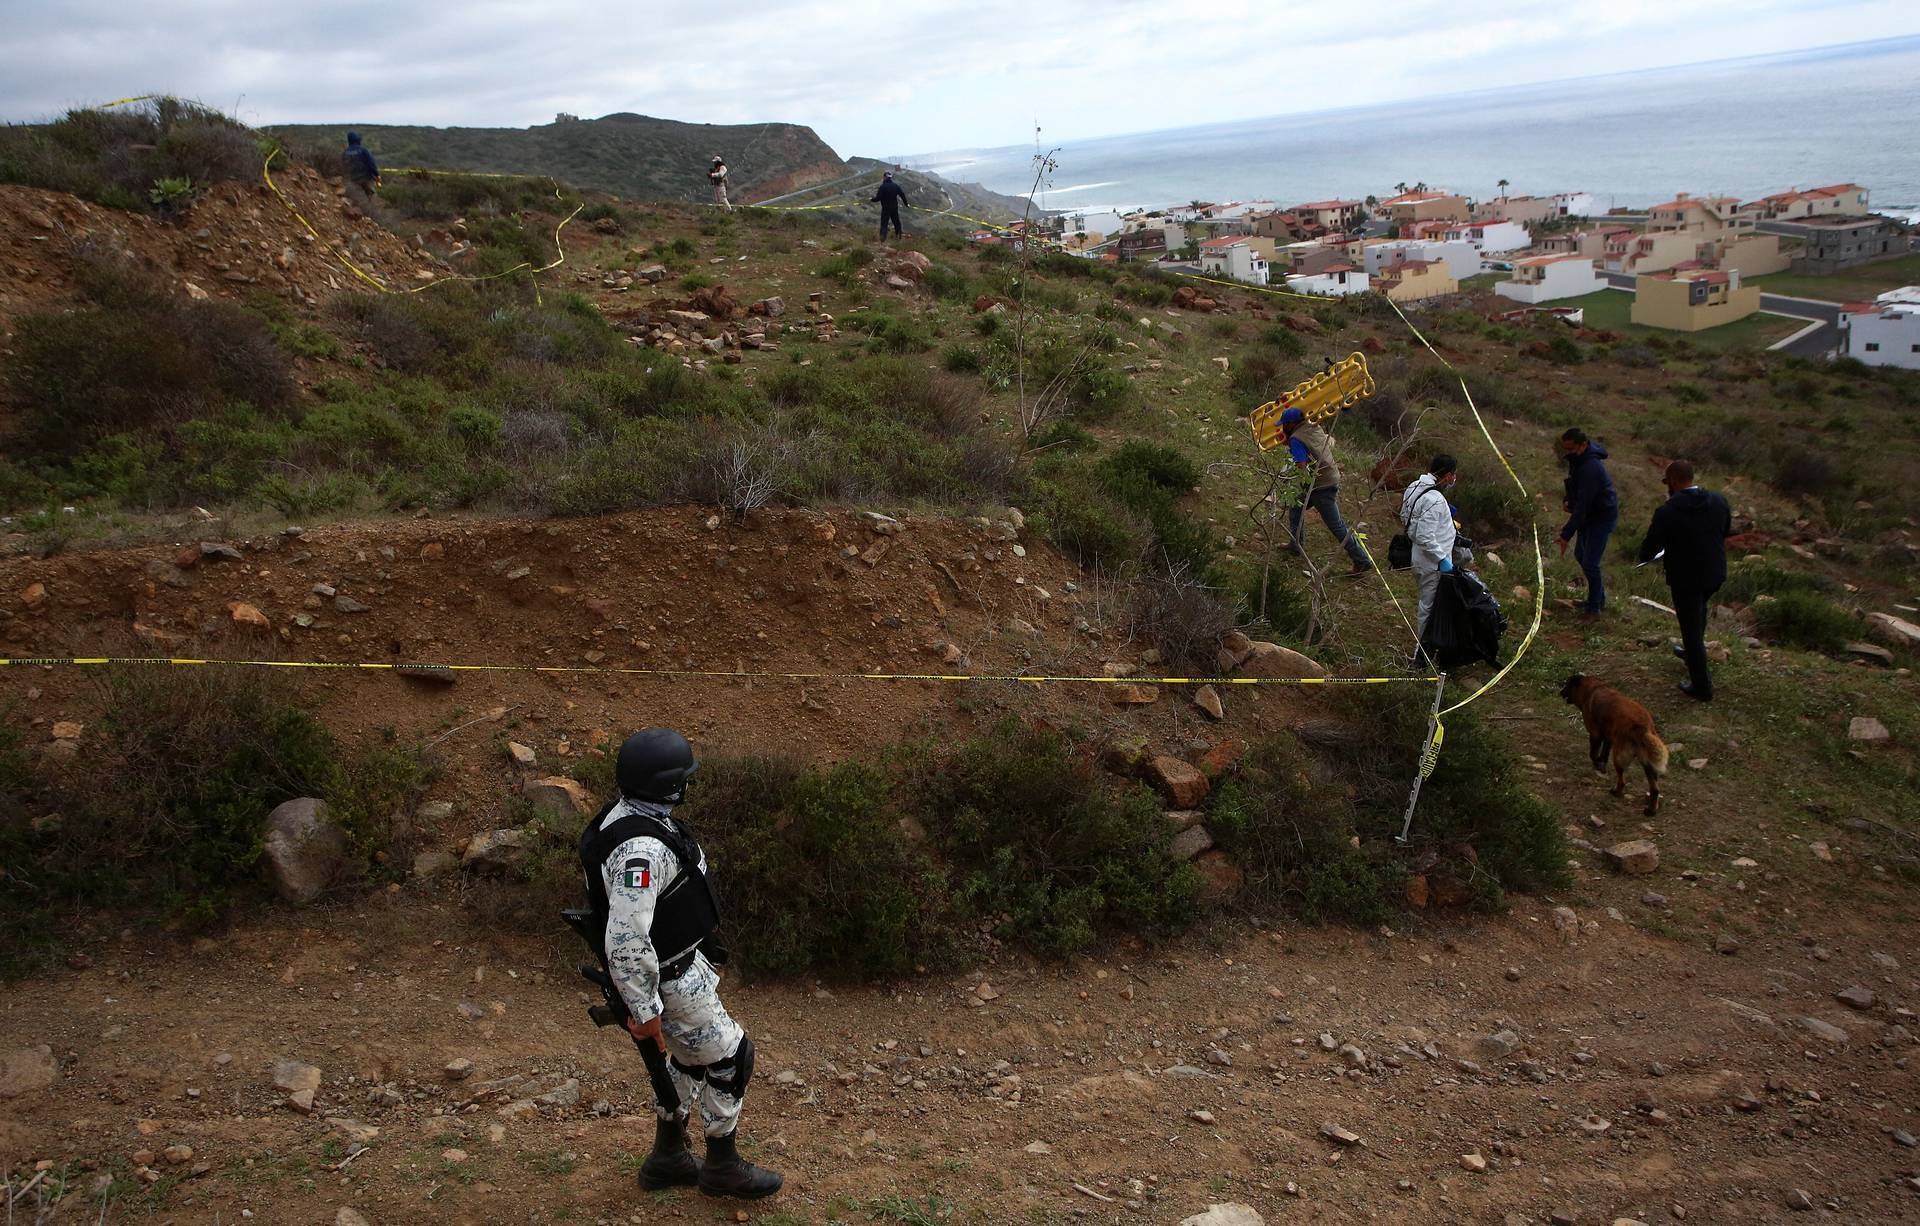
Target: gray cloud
[871,77]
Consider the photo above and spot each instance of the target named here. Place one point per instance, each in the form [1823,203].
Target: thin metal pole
[1426,759]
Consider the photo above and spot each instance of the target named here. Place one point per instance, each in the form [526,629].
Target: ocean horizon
[1742,127]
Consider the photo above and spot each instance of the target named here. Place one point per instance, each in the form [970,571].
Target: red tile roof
[1328,204]
[1231,240]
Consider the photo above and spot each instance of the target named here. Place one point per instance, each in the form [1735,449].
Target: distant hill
[848,195]
[636,156]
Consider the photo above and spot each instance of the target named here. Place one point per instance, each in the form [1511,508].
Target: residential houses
[1692,300]
[1423,206]
[1336,280]
[1233,258]
[1828,244]
[1589,244]
[1308,259]
[1834,200]
[1522,210]
[1413,280]
[1461,259]
[1709,216]
[1752,255]
[1143,244]
[1332,214]
[1545,278]
[1575,204]
[1884,332]
[1489,236]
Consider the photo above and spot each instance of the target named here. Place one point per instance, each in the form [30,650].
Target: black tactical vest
[684,915]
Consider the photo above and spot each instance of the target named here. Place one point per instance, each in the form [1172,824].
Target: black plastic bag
[1465,625]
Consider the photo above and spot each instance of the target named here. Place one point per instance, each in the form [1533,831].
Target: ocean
[1735,127]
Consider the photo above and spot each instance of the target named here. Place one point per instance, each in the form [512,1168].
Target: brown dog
[1620,727]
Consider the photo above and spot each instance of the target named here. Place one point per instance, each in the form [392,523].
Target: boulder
[1135,695]
[293,1077]
[1274,661]
[1183,785]
[914,260]
[494,852]
[304,849]
[246,616]
[430,864]
[1233,1213]
[652,274]
[1635,857]
[1867,728]
[558,796]
[1895,631]
[27,1070]
[896,281]
[1208,701]
[1190,843]
[715,302]
[1125,753]
[1220,878]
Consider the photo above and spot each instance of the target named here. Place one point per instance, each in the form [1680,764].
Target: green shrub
[1803,618]
[90,373]
[1491,505]
[146,154]
[1148,479]
[961,359]
[1746,581]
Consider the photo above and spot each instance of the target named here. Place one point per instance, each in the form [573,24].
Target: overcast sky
[901,77]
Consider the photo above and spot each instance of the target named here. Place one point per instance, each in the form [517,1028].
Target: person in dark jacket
[363,173]
[1592,511]
[890,197]
[1691,527]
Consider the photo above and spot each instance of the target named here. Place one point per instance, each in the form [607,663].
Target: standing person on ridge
[890,197]
[647,890]
[1312,448]
[1692,527]
[363,173]
[1592,511]
[718,177]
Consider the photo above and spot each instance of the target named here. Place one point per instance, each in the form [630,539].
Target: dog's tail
[1645,746]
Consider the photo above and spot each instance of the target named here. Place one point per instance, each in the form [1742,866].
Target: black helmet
[654,764]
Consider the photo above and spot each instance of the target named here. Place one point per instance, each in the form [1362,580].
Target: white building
[1490,236]
[1234,258]
[1336,281]
[1544,278]
[1884,332]
[1461,259]
[1575,204]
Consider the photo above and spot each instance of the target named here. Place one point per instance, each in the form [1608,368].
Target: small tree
[1503,189]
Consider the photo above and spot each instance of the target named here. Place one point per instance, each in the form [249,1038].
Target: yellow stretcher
[1343,383]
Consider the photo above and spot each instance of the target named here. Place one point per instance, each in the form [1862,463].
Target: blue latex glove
[1446,565]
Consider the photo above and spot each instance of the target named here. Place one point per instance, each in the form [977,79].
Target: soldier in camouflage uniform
[647,877]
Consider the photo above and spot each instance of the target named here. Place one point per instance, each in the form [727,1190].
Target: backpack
[1400,548]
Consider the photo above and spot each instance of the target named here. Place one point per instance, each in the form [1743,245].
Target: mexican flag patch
[637,874]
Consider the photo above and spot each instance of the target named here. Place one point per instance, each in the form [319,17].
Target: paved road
[1817,343]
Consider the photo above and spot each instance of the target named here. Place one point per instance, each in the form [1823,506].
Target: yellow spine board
[1346,382]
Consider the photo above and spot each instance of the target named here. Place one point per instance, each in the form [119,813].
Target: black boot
[671,1164]
[726,1173]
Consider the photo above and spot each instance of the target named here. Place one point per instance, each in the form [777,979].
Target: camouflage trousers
[704,1044]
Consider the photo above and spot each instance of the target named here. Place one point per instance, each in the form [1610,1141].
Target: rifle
[615,1012]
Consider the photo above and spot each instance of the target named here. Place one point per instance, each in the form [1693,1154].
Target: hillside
[637,156]
[1012,950]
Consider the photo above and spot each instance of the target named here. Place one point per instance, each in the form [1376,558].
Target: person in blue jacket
[1592,511]
[363,173]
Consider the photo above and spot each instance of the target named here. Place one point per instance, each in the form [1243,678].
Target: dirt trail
[1644,1075]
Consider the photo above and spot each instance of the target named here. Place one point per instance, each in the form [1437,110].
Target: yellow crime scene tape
[1436,732]
[266,175]
[685,673]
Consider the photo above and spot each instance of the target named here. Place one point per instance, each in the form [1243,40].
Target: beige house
[1752,255]
[1412,280]
[1833,200]
[1588,244]
[1526,210]
[1710,216]
[1692,301]
[1654,251]
[1332,214]
[1424,206]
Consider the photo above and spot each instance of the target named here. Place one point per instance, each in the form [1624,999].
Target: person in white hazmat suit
[1429,521]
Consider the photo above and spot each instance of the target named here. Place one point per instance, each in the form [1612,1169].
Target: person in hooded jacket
[1592,512]
[890,197]
[1425,511]
[1691,528]
[363,173]
[646,877]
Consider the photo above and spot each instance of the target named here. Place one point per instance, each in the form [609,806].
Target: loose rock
[304,849]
